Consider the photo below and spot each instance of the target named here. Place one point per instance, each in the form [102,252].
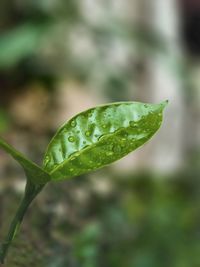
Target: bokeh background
[60,57]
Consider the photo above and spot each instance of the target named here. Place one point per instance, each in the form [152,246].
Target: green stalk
[31,191]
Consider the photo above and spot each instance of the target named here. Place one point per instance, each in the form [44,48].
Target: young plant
[89,141]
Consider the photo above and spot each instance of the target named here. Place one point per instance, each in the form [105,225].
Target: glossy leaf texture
[33,172]
[100,136]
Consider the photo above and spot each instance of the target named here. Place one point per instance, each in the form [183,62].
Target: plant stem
[31,191]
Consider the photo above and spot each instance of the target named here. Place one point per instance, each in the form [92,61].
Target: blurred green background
[60,57]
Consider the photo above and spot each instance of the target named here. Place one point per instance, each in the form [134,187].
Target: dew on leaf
[117,149]
[133,124]
[109,153]
[88,133]
[64,130]
[71,139]
[85,146]
[90,114]
[123,145]
[101,137]
[125,134]
[73,123]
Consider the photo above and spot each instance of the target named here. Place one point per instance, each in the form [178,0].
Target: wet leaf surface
[100,136]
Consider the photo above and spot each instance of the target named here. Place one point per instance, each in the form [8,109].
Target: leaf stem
[31,191]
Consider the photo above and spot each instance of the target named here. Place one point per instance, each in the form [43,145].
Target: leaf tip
[164,103]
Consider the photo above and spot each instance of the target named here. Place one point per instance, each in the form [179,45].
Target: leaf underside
[100,136]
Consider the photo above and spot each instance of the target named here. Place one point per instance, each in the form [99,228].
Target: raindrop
[90,114]
[73,123]
[71,139]
[133,124]
[87,133]
[109,153]
[101,137]
[125,134]
[111,147]
[117,149]
[64,130]
[123,145]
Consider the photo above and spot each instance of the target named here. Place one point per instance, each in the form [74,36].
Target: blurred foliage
[144,221]
[18,44]
[4,121]
[46,40]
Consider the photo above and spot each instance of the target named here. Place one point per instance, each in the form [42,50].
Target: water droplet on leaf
[87,133]
[133,124]
[109,153]
[64,130]
[73,123]
[117,149]
[71,139]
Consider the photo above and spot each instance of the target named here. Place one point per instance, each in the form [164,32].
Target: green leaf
[19,43]
[33,171]
[100,136]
